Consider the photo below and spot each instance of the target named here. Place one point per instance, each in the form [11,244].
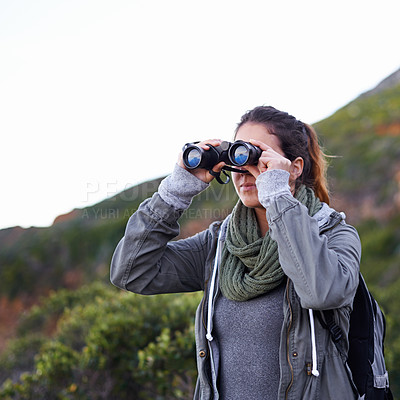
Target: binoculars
[238,153]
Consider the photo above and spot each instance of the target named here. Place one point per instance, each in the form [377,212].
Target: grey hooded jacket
[320,256]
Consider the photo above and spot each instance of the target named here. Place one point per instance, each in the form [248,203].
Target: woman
[265,270]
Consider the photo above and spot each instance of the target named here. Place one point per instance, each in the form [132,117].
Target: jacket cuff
[180,187]
[271,184]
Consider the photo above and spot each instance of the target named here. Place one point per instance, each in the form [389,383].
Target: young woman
[266,270]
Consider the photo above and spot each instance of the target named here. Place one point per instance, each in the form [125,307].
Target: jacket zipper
[287,340]
[203,300]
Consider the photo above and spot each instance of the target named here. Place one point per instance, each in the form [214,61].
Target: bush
[111,346]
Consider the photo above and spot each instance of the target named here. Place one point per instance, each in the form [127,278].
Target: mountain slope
[364,139]
[78,247]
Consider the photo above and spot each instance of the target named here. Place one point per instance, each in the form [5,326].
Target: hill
[78,247]
[364,139]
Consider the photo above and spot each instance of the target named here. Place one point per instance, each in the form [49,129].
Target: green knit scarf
[250,263]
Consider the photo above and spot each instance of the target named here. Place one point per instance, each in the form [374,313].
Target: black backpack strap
[334,329]
[327,320]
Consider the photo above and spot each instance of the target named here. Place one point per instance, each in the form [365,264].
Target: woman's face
[245,184]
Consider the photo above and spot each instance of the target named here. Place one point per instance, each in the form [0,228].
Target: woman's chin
[250,201]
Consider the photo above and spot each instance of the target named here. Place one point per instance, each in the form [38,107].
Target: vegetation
[107,344]
[364,138]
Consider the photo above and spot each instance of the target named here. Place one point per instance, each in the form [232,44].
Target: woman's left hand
[269,159]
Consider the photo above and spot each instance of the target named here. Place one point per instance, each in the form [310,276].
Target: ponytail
[318,166]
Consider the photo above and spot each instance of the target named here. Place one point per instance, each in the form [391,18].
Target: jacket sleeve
[146,261]
[323,267]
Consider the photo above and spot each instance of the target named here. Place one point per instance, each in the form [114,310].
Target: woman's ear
[296,168]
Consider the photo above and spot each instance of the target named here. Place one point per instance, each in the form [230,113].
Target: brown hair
[297,140]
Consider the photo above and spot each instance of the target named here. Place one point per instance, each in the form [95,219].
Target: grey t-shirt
[248,335]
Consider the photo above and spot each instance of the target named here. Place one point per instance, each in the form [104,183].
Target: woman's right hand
[202,173]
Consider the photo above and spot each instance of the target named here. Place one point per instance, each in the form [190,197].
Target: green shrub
[109,344]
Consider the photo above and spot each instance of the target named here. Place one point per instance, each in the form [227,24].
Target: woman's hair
[297,140]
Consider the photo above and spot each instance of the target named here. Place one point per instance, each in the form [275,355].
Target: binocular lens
[193,158]
[240,155]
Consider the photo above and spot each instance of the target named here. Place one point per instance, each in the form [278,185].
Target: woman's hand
[269,159]
[201,173]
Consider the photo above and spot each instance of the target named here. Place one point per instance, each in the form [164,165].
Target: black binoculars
[238,153]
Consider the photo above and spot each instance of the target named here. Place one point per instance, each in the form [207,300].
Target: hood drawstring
[212,288]
[314,370]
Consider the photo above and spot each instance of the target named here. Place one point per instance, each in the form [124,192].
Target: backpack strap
[330,324]
[327,320]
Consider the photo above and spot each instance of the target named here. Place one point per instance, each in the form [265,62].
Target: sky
[96,96]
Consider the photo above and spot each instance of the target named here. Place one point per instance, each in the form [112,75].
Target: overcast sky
[96,96]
